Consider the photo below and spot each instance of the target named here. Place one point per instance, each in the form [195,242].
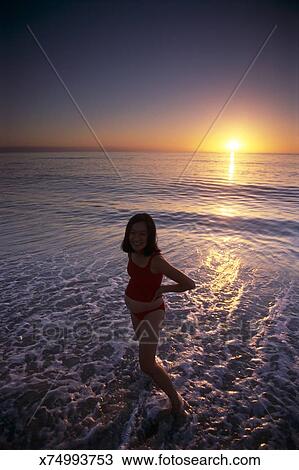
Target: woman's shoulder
[157,260]
[157,255]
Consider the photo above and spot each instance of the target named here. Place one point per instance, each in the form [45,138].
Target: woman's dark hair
[151,245]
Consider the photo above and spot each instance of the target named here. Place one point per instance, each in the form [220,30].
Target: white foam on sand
[228,351]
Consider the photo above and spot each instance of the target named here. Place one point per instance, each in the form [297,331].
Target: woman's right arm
[183,282]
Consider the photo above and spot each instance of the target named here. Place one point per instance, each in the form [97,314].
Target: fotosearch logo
[84,332]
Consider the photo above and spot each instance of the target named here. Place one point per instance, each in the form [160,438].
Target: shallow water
[70,376]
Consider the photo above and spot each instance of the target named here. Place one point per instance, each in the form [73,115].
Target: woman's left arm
[183,282]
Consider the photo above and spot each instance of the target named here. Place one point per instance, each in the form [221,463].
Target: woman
[143,297]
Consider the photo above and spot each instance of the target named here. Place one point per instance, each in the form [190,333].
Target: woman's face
[138,236]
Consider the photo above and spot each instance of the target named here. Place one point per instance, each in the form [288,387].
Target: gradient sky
[151,75]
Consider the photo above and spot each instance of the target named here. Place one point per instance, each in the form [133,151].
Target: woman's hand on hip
[158,293]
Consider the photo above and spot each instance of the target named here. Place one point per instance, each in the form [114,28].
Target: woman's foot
[177,407]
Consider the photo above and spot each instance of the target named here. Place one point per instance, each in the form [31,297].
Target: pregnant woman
[143,297]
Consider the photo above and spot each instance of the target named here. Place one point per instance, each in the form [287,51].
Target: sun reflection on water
[231,168]
[223,286]
[225,267]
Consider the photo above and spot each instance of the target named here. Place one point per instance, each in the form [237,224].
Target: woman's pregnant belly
[135,306]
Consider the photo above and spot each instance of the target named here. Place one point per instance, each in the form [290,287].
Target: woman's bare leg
[147,332]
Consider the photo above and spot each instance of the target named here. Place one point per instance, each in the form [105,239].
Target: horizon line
[22,149]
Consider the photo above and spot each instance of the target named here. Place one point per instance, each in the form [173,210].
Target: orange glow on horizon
[169,135]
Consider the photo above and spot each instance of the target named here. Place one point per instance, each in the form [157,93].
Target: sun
[233,145]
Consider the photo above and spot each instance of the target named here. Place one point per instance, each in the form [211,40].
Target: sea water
[70,377]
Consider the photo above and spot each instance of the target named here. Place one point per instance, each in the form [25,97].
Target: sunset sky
[151,75]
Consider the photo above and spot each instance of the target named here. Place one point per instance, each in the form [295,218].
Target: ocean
[70,377]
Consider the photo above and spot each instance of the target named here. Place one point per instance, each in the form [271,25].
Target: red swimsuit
[143,284]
